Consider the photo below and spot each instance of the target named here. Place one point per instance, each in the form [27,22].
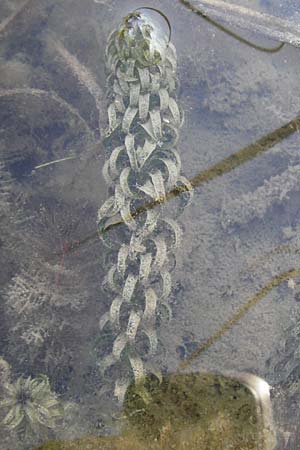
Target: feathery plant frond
[30,405]
[142,166]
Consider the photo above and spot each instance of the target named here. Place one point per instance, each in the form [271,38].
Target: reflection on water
[234,287]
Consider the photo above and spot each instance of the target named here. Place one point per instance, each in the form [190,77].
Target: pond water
[89,302]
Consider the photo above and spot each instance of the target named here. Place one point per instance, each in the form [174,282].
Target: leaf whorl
[141,167]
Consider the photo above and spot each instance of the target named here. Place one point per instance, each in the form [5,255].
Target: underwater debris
[30,405]
[56,161]
[255,204]
[291,283]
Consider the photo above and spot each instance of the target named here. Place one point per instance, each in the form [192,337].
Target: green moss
[218,408]
[183,412]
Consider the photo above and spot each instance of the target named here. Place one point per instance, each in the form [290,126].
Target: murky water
[233,292]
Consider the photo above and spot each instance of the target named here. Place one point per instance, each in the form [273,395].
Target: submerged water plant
[30,405]
[142,166]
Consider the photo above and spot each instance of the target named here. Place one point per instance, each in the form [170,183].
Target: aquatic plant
[142,166]
[30,405]
[64,62]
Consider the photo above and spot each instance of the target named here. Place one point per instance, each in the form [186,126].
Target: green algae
[183,412]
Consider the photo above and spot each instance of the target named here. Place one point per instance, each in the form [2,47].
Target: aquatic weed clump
[142,166]
[30,406]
